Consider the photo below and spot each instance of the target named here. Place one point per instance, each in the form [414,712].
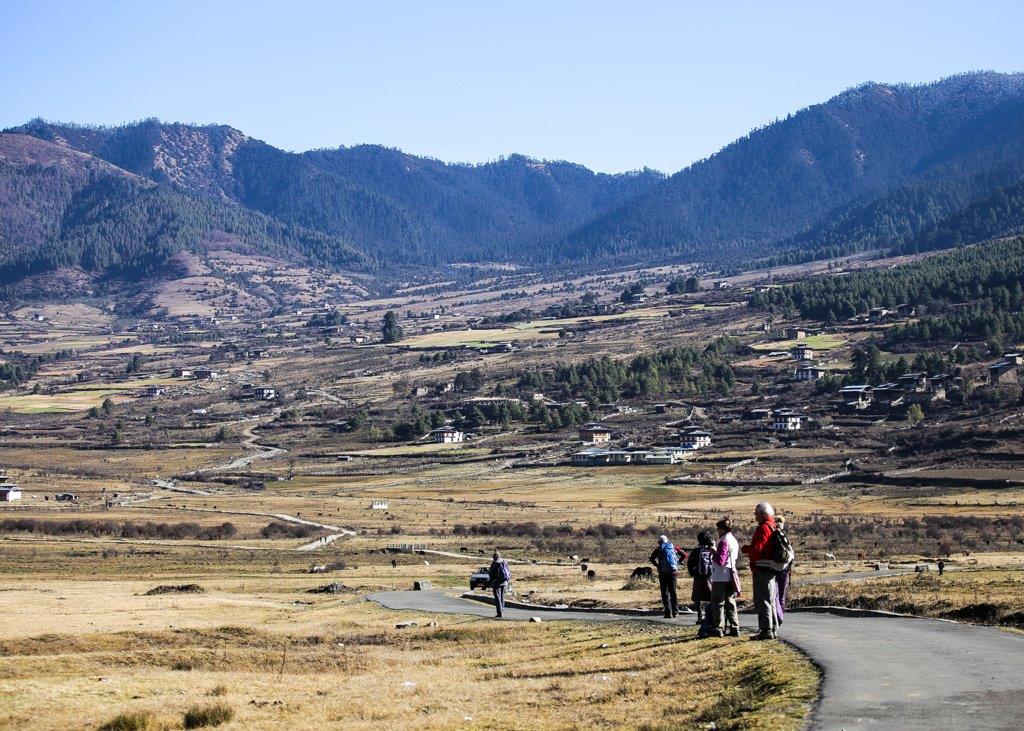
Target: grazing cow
[643,572]
[830,557]
[591,575]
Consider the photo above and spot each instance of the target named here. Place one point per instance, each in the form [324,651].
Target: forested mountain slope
[866,169]
[892,167]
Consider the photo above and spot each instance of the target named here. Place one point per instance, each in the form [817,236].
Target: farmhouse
[418,391]
[183,373]
[808,372]
[795,333]
[1002,373]
[694,439]
[595,434]
[664,457]
[206,374]
[153,390]
[591,456]
[786,420]
[446,435]
[379,505]
[9,492]
[856,397]
[264,393]
[803,352]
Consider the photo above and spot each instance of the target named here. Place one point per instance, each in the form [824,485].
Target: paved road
[879,672]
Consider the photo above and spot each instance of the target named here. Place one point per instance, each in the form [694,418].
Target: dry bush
[202,716]
[136,721]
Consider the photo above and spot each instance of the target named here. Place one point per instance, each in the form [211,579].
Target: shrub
[202,716]
[137,721]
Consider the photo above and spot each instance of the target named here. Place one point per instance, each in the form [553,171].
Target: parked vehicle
[480,578]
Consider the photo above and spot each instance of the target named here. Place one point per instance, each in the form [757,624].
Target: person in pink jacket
[724,620]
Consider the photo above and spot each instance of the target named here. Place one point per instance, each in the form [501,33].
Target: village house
[877,314]
[443,388]
[591,456]
[153,390]
[1015,358]
[664,457]
[446,435]
[855,398]
[1003,373]
[264,393]
[379,505]
[183,373]
[357,339]
[803,352]
[786,420]
[418,391]
[722,284]
[808,372]
[206,374]
[795,333]
[9,492]
[595,434]
[694,438]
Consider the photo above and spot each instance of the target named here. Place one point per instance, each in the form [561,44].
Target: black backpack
[698,565]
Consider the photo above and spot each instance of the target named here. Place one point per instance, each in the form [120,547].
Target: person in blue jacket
[667,561]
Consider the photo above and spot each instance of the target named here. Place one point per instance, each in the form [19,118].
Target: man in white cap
[665,558]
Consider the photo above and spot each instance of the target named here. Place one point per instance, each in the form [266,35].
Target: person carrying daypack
[699,566]
[499,575]
[759,550]
[666,559]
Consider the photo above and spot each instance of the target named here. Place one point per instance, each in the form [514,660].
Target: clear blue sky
[613,85]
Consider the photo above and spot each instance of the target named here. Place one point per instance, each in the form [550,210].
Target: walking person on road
[725,588]
[667,561]
[759,549]
[499,575]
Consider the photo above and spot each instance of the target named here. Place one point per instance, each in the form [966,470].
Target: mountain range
[894,167]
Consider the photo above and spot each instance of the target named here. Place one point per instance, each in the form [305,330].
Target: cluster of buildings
[912,388]
[686,441]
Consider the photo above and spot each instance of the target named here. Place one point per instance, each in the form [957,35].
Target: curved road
[879,672]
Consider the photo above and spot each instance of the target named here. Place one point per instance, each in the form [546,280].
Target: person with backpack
[499,575]
[783,562]
[725,586]
[699,566]
[666,559]
[760,549]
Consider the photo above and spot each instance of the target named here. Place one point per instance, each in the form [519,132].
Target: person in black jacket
[499,575]
[699,566]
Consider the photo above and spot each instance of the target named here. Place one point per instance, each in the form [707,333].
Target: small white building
[786,420]
[379,505]
[809,372]
[153,390]
[264,393]
[9,492]
[695,439]
[803,353]
[664,457]
[595,434]
[447,435]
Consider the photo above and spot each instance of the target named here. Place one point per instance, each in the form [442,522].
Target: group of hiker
[716,580]
[712,564]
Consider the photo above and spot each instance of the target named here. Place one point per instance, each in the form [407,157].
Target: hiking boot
[734,632]
[666,616]
[716,633]
[763,635]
